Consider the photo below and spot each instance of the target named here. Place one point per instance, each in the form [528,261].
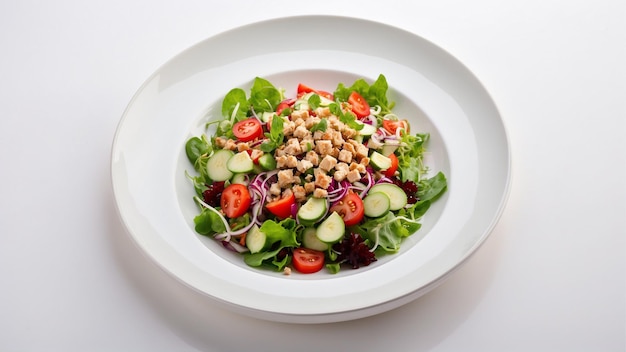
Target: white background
[551,277]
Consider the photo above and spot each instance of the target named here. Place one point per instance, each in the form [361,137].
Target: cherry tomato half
[359,105]
[307,261]
[394,165]
[303,89]
[235,200]
[282,106]
[247,130]
[351,209]
[282,207]
[392,125]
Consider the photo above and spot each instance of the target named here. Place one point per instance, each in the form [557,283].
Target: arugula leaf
[264,96]
[235,99]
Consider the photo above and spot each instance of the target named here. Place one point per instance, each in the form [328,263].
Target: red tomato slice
[307,261]
[394,165]
[359,105]
[248,129]
[351,209]
[303,89]
[282,207]
[282,106]
[392,125]
[235,200]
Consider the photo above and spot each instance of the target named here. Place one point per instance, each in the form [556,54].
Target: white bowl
[430,87]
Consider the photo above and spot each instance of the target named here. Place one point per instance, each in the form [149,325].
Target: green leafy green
[280,235]
[208,222]
[264,96]
[275,135]
[320,126]
[235,99]
[375,94]
[388,231]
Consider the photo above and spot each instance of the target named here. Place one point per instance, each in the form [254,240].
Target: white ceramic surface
[432,89]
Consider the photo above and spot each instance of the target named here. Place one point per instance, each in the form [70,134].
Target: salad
[317,180]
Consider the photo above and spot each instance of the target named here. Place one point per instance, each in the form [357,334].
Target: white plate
[431,88]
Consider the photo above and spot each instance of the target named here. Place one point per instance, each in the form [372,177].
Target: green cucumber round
[312,211]
[310,240]
[397,197]
[216,165]
[332,229]
[376,204]
[240,163]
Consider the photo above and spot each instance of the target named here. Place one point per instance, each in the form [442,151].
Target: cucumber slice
[216,165]
[376,204]
[240,163]
[310,240]
[367,129]
[267,162]
[379,161]
[332,229]
[312,211]
[390,147]
[240,179]
[267,116]
[255,239]
[396,195]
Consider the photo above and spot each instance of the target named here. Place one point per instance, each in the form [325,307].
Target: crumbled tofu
[337,139]
[275,189]
[345,156]
[242,146]
[350,148]
[304,165]
[299,115]
[322,180]
[361,151]
[220,142]
[328,163]
[230,145]
[281,161]
[301,132]
[256,154]
[307,144]
[313,158]
[323,147]
[320,193]
[300,193]
[291,161]
[288,128]
[285,178]
[353,176]
[293,147]
[340,175]
[342,167]
[323,111]
[311,121]
[348,132]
